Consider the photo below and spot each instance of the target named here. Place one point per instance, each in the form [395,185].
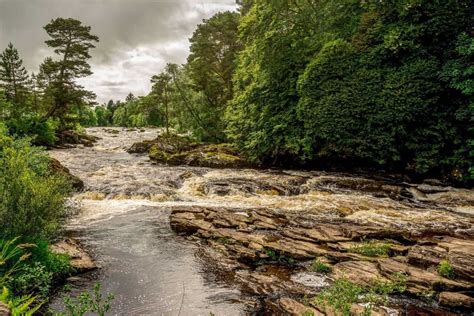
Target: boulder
[140,147]
[61,170]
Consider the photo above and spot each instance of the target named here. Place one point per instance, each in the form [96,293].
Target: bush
[445,269]
[32,199]
[41,131]
[88,302]
[34,278]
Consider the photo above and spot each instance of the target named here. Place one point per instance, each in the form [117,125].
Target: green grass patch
[371,248]
[344,293]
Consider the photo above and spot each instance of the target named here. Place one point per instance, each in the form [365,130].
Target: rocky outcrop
[71,137]
[81,261]
[253,237]
[61,170]
[180,150]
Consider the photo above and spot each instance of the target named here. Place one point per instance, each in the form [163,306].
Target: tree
[71,41]
[161,89]
[13,76]
[211,64]
[385,84]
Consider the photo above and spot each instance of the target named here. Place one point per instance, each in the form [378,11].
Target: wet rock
[140,147]
[61,170]
[81,261]
[4,309]
[180,150]
[75,138]
[456,300]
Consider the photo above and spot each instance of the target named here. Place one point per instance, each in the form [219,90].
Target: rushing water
[124,220]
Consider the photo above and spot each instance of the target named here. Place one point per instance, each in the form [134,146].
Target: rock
[288,306]
[4,309]
[419,281]
[360,272]
[456,300]
[459,253]
[73,137]
[81,261]
[141,147]
[59,169]
[180,150]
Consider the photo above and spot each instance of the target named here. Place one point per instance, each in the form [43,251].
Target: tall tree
[211,63]
[13,76]
[71,40]
[161,90]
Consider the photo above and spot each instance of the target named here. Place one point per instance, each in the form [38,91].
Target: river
[125,209]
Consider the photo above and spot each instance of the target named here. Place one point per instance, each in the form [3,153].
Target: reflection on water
[125,209]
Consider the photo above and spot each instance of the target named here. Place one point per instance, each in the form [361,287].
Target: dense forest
[385,85]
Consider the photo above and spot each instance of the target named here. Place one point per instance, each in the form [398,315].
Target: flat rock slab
[81,261]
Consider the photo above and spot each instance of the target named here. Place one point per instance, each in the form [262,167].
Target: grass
[371,248]
[344,293]
[318,266]
[445,269]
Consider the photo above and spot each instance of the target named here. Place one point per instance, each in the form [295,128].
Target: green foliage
[88,302]
[71,40]
[31,197]
[318,266]
[340,296]
[279,257]
[20,306]
[351,83]
[12,256]
[445,269]
[33,278]
[371,248]
[343,293]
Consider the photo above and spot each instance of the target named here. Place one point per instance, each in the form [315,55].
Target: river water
[124,220]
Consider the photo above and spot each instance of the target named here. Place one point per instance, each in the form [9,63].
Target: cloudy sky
[137,37]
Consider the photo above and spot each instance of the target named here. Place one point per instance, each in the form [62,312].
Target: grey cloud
[137,37]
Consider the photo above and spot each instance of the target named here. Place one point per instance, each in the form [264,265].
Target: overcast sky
[137,37]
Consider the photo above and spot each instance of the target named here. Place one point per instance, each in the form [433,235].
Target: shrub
[33,278]
[88,302]
[445,269]
[12,255]
[32,199]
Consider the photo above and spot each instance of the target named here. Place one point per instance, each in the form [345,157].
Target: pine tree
[71,41]
[13,75]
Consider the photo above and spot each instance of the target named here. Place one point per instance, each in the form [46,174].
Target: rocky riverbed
[263,233]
